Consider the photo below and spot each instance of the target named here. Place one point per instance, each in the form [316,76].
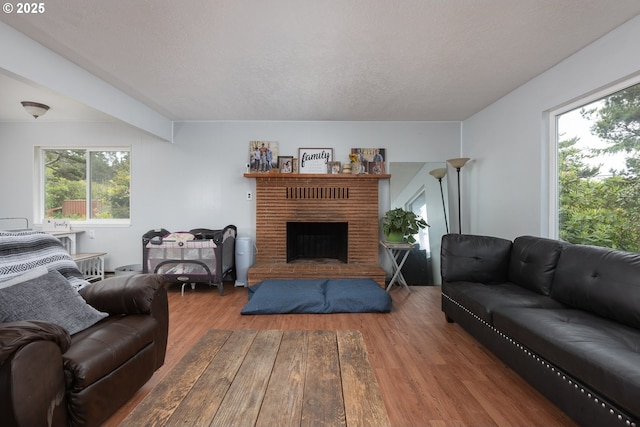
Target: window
[419,207]
[598,167]
[72,176]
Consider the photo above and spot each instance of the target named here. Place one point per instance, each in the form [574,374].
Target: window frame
[39,185]
[552,120]
[423,233]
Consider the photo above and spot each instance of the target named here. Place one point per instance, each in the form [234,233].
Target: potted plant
[399,225]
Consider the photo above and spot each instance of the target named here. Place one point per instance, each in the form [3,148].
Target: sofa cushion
[46,296]
[599,280]
[102,348]
[472,258]
[601,353]
[483,299]
[533,262]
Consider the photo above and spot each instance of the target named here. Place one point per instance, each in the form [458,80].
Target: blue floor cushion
[278,296]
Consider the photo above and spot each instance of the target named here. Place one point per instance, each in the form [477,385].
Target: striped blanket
[21,251]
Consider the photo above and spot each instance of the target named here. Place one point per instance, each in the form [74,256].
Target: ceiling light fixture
[35,108]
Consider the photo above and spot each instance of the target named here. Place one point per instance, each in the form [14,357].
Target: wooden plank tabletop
[267,378]
[282,403]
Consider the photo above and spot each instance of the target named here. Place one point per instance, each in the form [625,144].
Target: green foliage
[66,179]
[406,222]
[603,211]
[618,121]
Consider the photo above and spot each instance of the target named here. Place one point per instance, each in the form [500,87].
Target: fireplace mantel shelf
[302,176]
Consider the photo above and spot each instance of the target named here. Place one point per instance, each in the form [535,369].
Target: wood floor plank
[206,396]
[282,404]
[323,401]
[160,404]
[241,405]
[363,404]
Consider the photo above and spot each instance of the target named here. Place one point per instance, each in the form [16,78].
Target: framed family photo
[285,164]
[263,156]
[371,160]
[314,160]
[334,167]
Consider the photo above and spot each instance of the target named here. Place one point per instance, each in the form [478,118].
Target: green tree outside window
[598,207]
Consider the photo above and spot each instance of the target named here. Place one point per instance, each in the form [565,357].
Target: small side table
[91,265]
[398,252]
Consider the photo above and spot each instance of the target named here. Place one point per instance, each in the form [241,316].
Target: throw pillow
[31,274]
[47,297]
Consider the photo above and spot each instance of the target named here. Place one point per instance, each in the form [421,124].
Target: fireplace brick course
[316,198]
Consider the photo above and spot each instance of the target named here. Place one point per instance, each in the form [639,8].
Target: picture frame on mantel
[314,160]
[371,160]
[285,164]
[334,168]
[263,156]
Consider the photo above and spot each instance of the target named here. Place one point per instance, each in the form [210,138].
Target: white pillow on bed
[46,296]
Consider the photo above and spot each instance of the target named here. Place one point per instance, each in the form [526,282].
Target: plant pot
[355,168]
[395,237]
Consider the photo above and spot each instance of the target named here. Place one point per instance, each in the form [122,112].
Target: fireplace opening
[317,240]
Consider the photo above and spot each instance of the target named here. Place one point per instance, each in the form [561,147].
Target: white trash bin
[244,259]
[128,270]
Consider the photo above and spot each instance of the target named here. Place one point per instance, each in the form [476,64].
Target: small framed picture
[285,164]
[375,168]
[314,160]
[333,167]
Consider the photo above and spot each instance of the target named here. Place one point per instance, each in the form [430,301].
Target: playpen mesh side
[221,263]
[180,255]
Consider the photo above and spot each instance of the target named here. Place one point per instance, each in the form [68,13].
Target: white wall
[505,187]
[197,181]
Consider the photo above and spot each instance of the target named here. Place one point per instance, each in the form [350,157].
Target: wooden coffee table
[268,378]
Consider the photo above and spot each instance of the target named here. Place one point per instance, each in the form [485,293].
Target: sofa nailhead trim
[612,411]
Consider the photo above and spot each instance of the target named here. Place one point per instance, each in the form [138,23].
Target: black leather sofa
[564,317]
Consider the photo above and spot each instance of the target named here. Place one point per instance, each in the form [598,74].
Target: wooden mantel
[291,197]
[302,176]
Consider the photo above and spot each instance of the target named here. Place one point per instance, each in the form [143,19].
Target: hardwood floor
[430,373]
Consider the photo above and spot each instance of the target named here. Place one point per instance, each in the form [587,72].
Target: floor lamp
[439,174]
[458,164]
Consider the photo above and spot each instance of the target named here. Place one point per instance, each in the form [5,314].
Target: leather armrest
[134,294]
[15,335]
[126,294]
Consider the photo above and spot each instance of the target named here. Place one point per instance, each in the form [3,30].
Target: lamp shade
[459,162]
[35,108]
[438,173]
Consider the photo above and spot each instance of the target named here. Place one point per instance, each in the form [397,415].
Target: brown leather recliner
[49,378]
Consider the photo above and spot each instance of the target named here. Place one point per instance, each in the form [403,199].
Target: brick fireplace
[350,201]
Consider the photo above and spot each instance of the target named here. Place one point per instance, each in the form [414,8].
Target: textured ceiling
[319,59]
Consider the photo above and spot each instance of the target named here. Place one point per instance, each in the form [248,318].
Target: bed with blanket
[280,296]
